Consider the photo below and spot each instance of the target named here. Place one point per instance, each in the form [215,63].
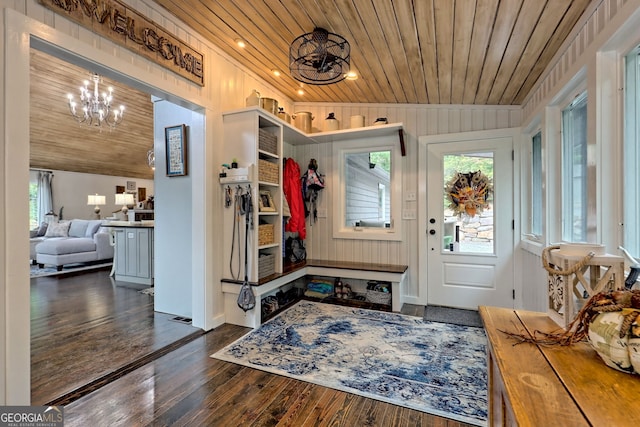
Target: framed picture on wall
[176,150]
[265,202]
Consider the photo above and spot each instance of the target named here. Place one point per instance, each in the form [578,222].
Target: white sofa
[69,242]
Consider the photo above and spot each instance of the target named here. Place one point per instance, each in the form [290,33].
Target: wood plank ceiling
[59,142]
[485,52]
[404,51]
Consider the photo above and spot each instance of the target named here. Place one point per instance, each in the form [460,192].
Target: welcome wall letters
[128,28]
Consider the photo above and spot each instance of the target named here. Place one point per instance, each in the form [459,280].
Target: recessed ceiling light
[276,72]
[240,43]
[300,92]
[351,75]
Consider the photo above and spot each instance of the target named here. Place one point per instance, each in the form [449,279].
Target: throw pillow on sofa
[93,227]
[58,229]
[42,230]
[78,228]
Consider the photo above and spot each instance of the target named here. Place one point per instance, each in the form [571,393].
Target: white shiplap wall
[418,120]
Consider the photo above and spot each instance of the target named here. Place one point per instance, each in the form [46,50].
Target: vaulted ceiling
[59,142]
[405,51]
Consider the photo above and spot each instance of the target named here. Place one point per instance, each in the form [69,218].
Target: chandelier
[319,57]
[151,158]
[95,107]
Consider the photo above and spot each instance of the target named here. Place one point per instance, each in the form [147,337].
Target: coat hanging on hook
[312,183]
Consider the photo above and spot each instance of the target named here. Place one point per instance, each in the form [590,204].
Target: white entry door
[469,219]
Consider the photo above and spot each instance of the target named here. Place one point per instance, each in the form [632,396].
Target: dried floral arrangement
[610,321]
[468,192]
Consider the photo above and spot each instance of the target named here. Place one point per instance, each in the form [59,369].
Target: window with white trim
[574,171]
[536,186]
[631,183]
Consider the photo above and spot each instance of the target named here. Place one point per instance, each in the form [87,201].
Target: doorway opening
[106,155]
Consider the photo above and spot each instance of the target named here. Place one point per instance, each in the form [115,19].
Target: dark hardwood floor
[86,328]
[171,385]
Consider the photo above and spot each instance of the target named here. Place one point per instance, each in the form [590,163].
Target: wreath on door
[468,192]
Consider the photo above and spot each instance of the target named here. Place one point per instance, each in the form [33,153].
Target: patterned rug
[432,367]
[69,268]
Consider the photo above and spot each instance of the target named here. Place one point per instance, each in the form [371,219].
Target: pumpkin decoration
[468,192]
[610,322]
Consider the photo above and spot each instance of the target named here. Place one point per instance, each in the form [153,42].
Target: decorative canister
[380,121]
[331,123]
[253,99]
[303,120]
[269,104]
[284,116]
[357,121]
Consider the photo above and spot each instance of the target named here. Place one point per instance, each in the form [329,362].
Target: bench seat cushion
[63,245]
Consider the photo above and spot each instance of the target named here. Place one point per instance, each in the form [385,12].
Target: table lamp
[96,200]
[124,199]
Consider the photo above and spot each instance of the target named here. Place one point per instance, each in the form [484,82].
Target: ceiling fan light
[319,57]
[351,75]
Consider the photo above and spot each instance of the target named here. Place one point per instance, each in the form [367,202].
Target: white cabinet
[133,254]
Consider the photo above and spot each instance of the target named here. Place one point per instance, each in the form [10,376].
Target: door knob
[432,232]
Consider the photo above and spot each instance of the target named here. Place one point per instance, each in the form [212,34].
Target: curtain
[45,194]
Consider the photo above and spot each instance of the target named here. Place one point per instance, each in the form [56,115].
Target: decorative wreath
[468,192]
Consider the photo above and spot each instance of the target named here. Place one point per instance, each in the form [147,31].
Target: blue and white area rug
[432,367]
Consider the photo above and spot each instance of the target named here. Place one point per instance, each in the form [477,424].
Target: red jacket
[293,192]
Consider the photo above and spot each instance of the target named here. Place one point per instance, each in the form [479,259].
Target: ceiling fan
[319,57]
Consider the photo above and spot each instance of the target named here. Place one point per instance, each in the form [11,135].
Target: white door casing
[467,279]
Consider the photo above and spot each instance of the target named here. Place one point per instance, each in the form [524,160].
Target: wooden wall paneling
[525,23]
[400,49]
[364,54]
[444,17]
[59,142]
[424,14]
[534,48]
[407,26]
[462,37]
[548,54]
[501,32]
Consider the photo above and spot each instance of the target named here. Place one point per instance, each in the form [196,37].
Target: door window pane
[468,203]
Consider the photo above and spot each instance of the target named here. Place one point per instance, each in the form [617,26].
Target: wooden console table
[535,385]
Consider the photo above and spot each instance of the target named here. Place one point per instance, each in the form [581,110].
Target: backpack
[295,250]
[312,183]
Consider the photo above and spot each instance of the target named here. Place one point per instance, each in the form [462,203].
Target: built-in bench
[395,274]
